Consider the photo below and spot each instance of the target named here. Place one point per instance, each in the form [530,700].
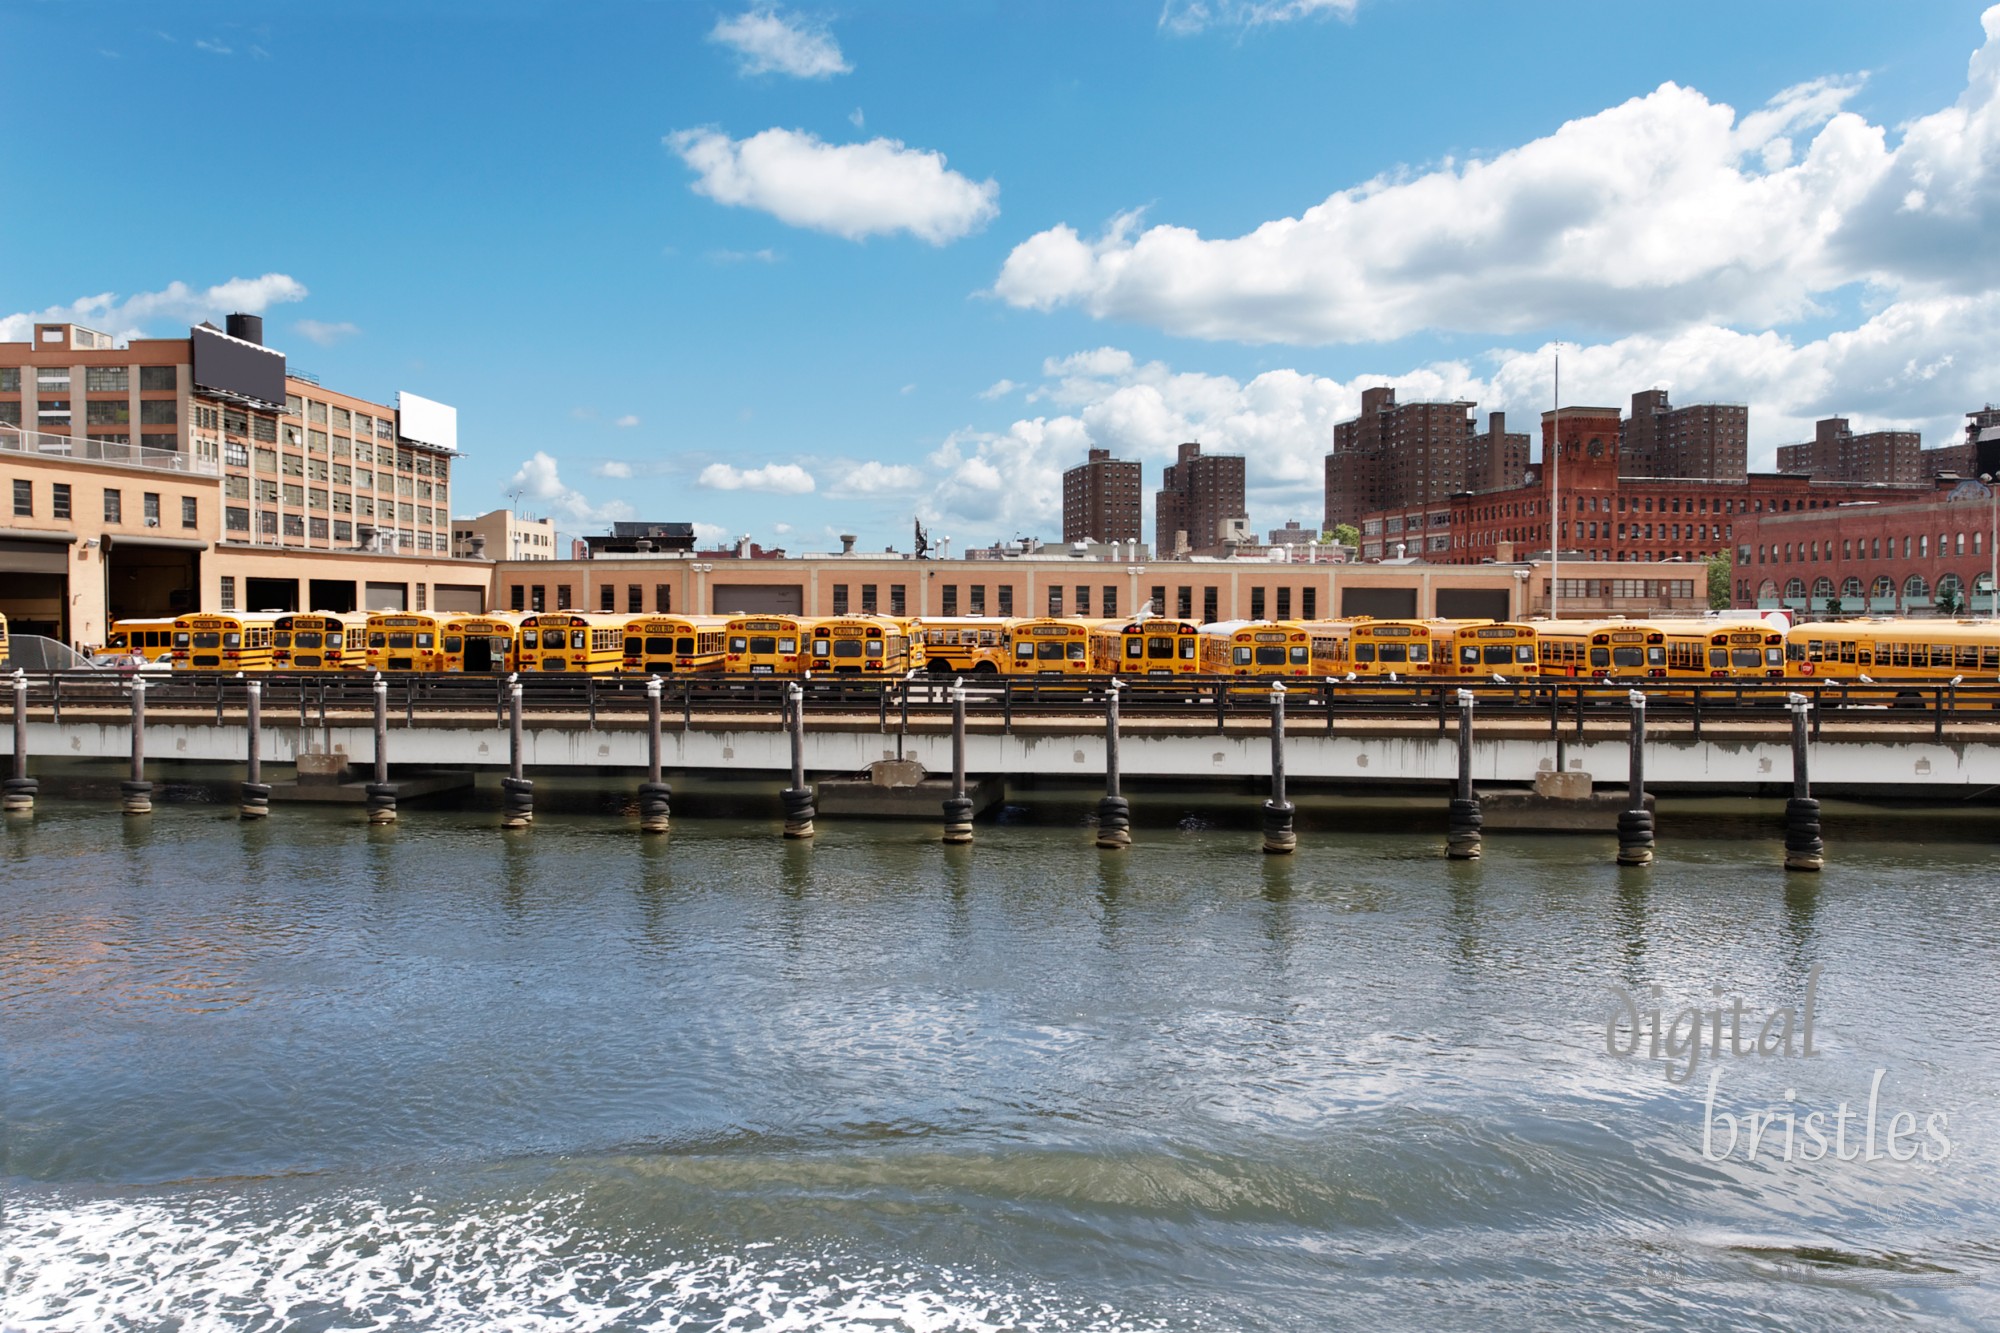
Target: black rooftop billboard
[232,366]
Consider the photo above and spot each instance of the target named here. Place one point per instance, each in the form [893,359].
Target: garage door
[464,598]
[788,599]
[1474,604]
[388,597]
[1381,603]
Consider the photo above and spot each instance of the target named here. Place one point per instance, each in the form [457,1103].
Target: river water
[309,1075]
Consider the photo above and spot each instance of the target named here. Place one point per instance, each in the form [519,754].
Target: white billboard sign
[426,422]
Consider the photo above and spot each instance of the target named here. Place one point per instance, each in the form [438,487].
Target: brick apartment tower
[1836,453]
[1197,493]
[1395,455]
[1101,500]
[1709,440]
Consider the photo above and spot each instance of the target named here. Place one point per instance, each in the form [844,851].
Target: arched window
[1822,592]
[1916,591]
[1883,592]
[1951,593]
[1767,593]
[1794,589]
[1850,588]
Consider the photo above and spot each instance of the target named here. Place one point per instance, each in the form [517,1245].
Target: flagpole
[1555,494]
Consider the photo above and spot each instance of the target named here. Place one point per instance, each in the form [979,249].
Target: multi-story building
[187,470]
[1928,552]
[1700,440]
[1399,455]
[1101,500]
[1836,453]
[1200,501]
[503,535]
[1604,516]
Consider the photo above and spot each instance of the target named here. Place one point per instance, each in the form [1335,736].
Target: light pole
[1993,545]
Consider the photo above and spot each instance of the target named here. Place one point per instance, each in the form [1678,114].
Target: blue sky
[792,271]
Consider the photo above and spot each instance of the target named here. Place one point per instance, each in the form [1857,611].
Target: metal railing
[1565,708]
[84,449]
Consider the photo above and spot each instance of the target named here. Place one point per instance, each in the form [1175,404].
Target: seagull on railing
[1955,680]
[1866,679]
[1499,679]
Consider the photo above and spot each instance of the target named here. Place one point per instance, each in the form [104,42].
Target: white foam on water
[359,1264]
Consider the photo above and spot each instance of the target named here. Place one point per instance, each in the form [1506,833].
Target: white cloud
[211,46]
[856,119]
[144,312]
[998,389]
[849,190]
[774,478]
[712,535]
[538,479]
[627,421]
[771,41]
[616,470]
[873,478]
[326,335]
[781,528]
[1667,211]
[1186,17]
[764,256]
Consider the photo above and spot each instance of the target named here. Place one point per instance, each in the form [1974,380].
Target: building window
[24,499]
[1208,605]
[562,597]
[1110,599]
[114,507]
[1284,603]
[188,510]
[107,412]
[635,599]
[607,597]
[840,599]
[235,454]
[158,379]
[1308,603]
[159,412]
[1159,602]
[1083,599]
[1007,600]
[267,523]
[867,599]
[1256,603]
[236,518]
[1055,600]
[316,529]
[517,597]
[898,602]
[59,501]
[978,600]
[663,598]
[228,592]
[1184,602]
[537,598]
[949,593]
[295,525]
[423,596]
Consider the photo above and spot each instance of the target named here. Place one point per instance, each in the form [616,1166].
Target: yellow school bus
[961,645]
[402,641]
[670,645]
[1255,648]
[765,645]
[579,642]
[1404,649]
[3,638]
[224,641]
[1903,655]
[1154,646]
[859,644]
[1046,646]
[476,644]
[1486,649]
[319,640]
[1724,648]
[152,638]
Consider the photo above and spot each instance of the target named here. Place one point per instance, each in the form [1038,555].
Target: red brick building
[1895,558]
[1395,455]
[1700,440]
[1198,494]
[1605,516]
[1101,500]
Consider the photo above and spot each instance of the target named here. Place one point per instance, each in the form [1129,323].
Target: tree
[1344,533]
[1833,606]
[1721,580]
[1948,604]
